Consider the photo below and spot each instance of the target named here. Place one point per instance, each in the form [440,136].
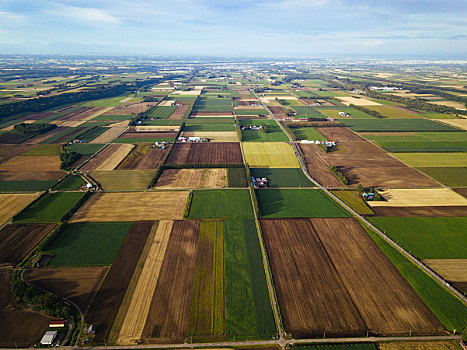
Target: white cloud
[85,14]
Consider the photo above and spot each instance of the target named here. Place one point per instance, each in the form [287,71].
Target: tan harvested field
[240,107]
[147,134]
[189,93]
[133,206]
[131,108]
[459,123]
[431,211]
[31,175]
[453,104]
[108,158]
[110,134]
[339,134]
[154,128]
[205,114]
[317,166]
[135,319]
[366,289]
[193,178]
[66,123]
[245,94]
[454,270]
[214,136]
[82,114]
[11,151]
[79,284]
[421,345]
[357,101]
[206,153]
[168,314]
[31,163]
[420,197]
[166,103]
[11,204]
[179,112]
[143,157]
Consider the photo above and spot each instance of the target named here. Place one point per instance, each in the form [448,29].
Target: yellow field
[453,104]
[429,345]
[116,157]
[122,123]
[433,159]
[31,163]
[214,136]
[454,270]
[357,101]
[193,178]
[133,206]
[135,319]
[190,93]
[419,198]
[157,128]
[11,204]
[270,155]
[71,124]
[167,103]
[110,134]
[459,123]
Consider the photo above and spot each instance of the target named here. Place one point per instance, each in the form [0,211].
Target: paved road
[361,218]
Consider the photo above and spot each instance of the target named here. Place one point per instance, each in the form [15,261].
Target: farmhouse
[259,182]
[343,114]
[49,338]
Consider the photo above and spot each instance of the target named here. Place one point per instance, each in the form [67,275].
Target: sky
[427,28]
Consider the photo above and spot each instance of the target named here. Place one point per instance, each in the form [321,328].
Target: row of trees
[32,129]
[368,111]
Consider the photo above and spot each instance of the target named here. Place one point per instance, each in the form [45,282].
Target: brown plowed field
[143,157]
[106,303]
[9,151]
[462,286]
[19,327]
[339,134]
[168,314]
[41,115]
[179,112]
[310,292]
[146,134]
[101,159]
[84,114]
[78,284]
[421,211]
[193,178]
[344,265]
[31,163]
[31,175]
[42,137]
[206,153]
[317,167]
[278,111]
[17,240]
[64,138]
[133,206]
[461,191]
[421,345]
[127,109]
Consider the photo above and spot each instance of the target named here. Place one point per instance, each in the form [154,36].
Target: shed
[60,323]
[49,338]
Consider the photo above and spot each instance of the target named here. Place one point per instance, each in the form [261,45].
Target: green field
[70,183]
[428,146]
[251,112]
[162,112]
[393,112]
[67,131]
[221,204]
[375,125]
[448,308]
[201,120]
[236,177]
[297,203]
[86,149]
[88,243]
[427,237]
[119,180]
[212,108]
[308,112]
[287,177]
[449,176]
[193,127]
[333,112]
[104,117]
[50,208]
[354,200]
[433,159]
[308,133]
[248,312]
[352,346]
[163,122]
[26,186]
[44,150]
[92,134]
[274,132]
[105,102]
[143,139]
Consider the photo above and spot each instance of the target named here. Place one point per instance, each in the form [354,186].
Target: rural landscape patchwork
[235,204]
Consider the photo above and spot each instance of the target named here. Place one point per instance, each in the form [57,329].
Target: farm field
[50,208]
[143,157]
[450,176]
[120,180]
[419,198]
[353,199]
[214,136]
[308,133]
[357,101]
[395,125]
[105,305]
[317,167]
[269,155]
[87,244]
[70,183]
[426,345]
[31,163]
[43,150]
[427,237]
[278,203]
[107,159]
[208,127]
[78,284]
[422,160]
[133,206]
[454,270]
[350,346]
[11,204]
[458,123]
[193,178]
[394,112]
[86,149]
[340,280]
[427,146]
[26,186]
[19,326]
[277,177]
[221,204]
[334,112]
[273,134]
[112,133]
[17,240]
[206,153]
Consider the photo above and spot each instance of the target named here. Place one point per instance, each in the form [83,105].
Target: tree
[360,188]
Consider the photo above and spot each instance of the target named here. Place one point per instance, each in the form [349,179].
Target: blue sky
[245,28]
